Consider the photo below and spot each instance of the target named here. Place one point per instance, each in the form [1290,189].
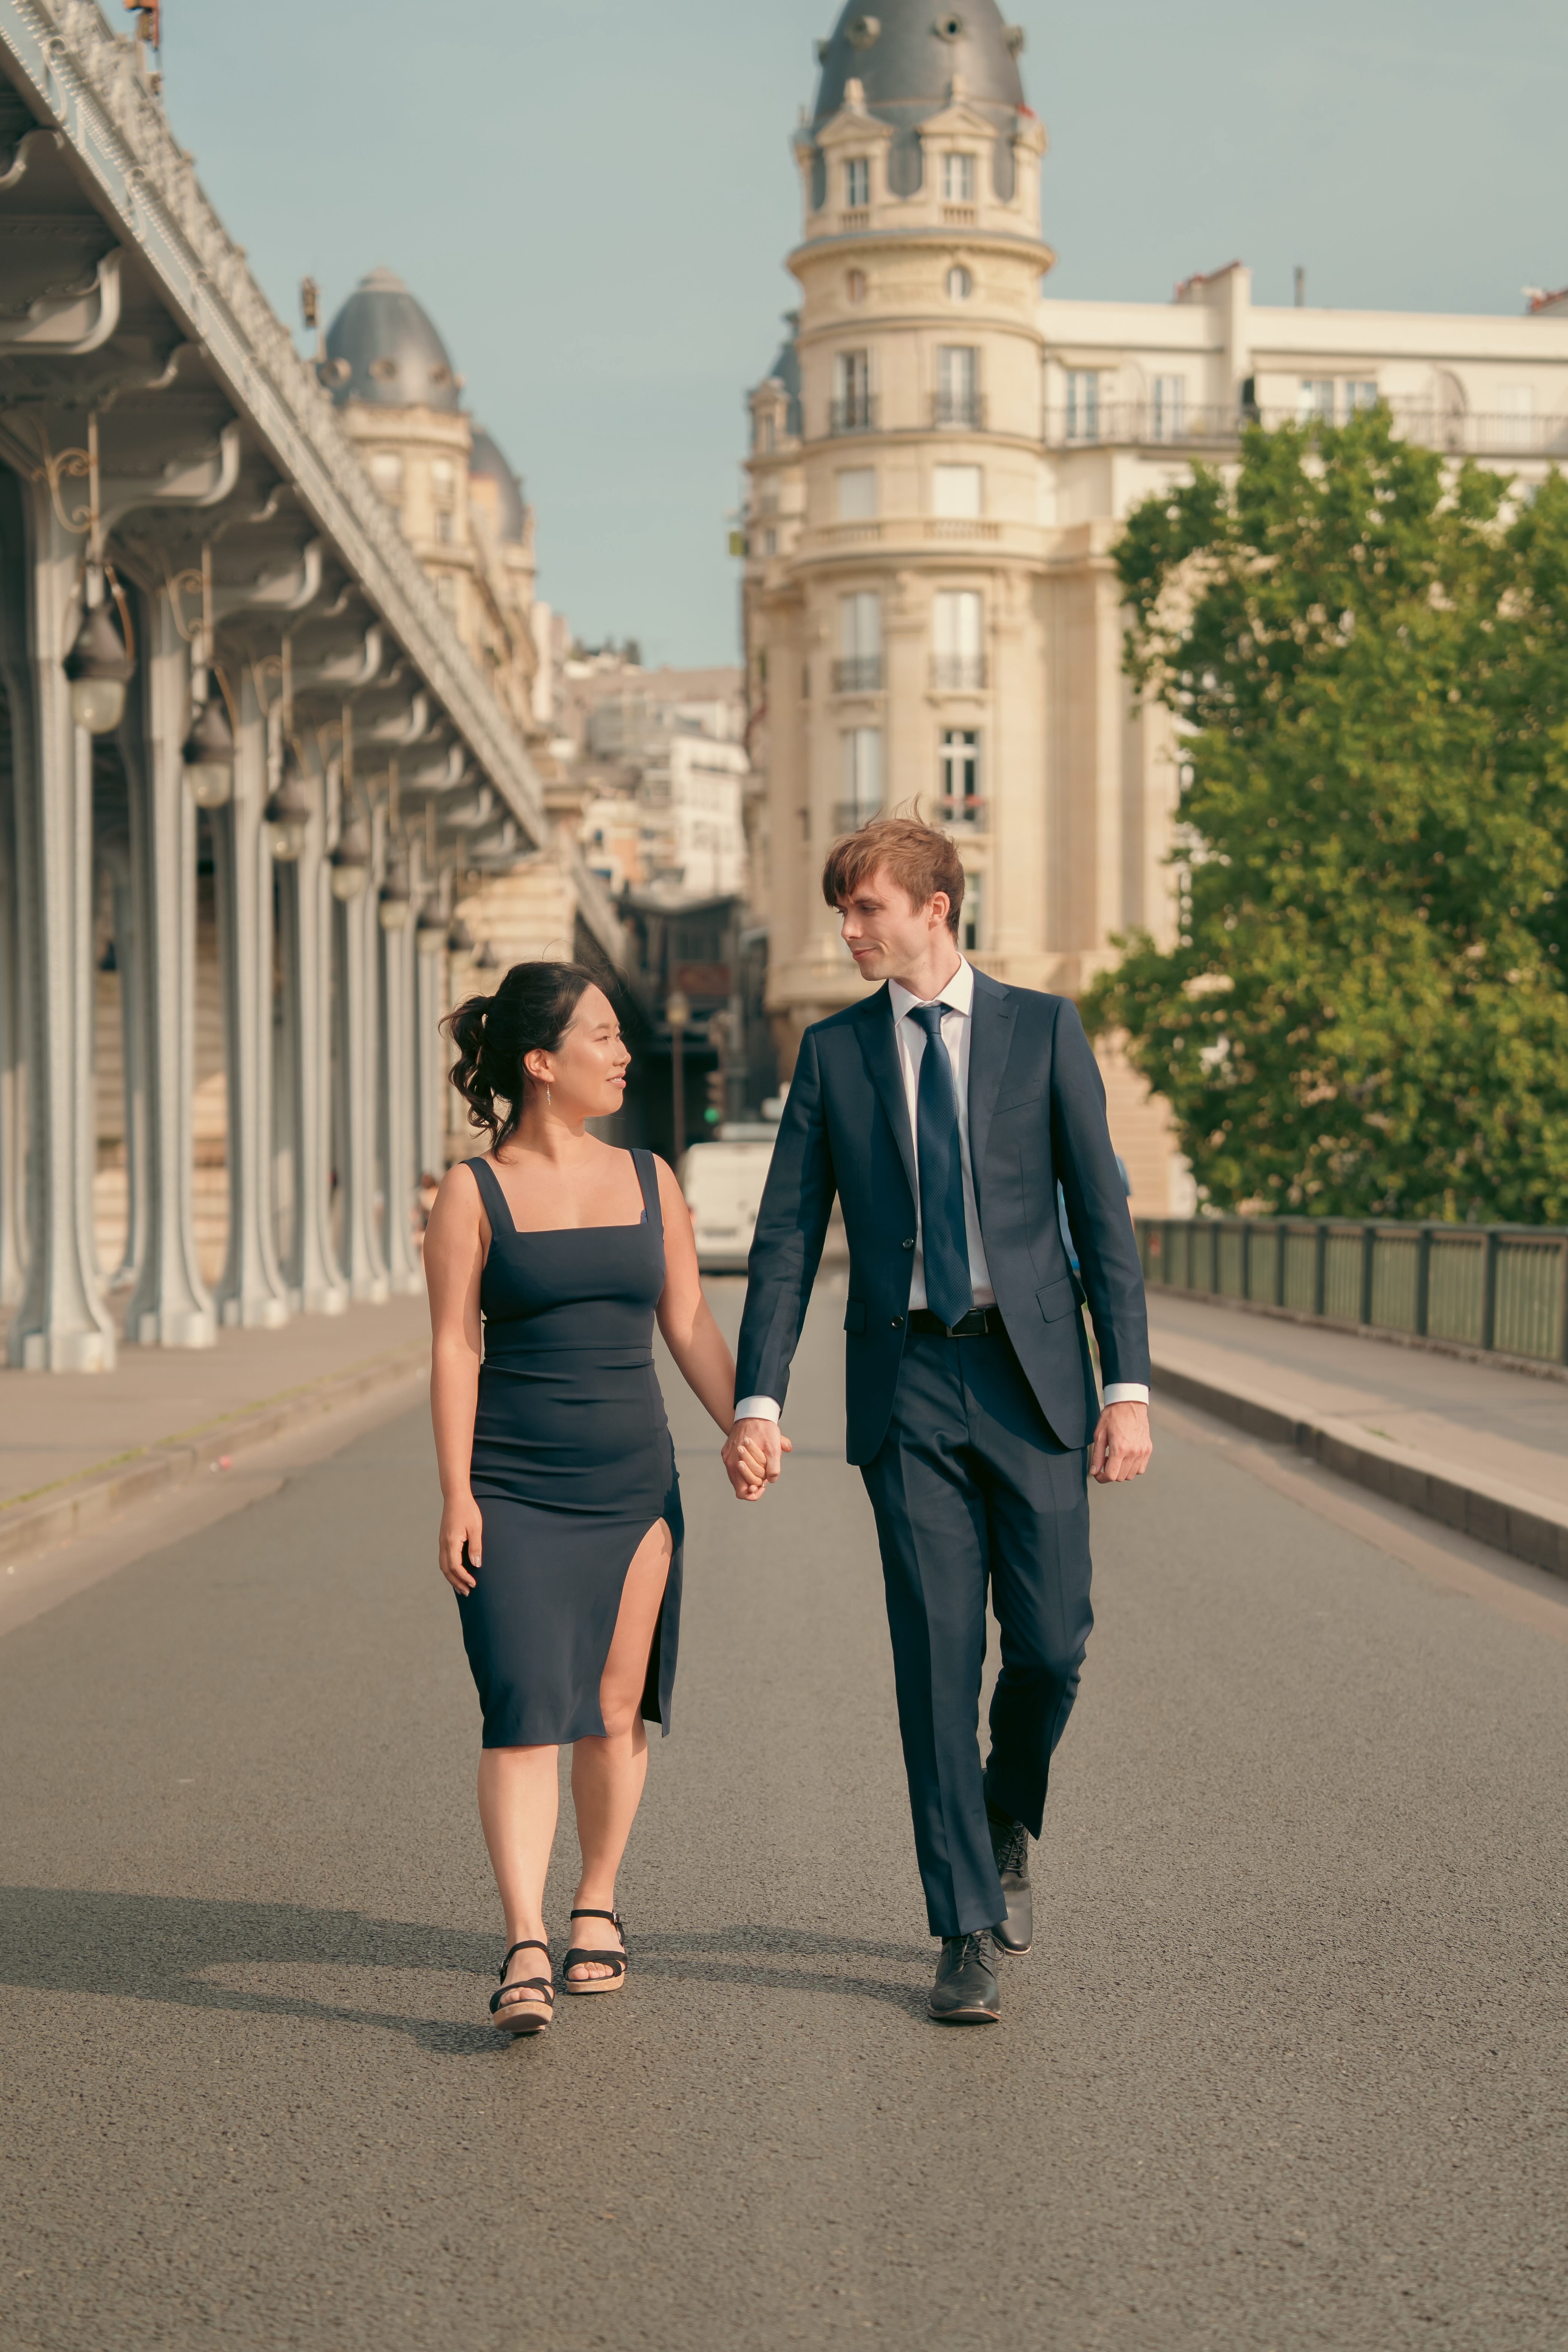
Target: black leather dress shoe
[965,1991]
[1010,1844]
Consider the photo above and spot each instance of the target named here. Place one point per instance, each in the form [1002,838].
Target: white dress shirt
[957,1001]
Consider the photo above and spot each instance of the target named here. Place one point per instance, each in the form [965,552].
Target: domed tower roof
[907,55]
[785,371]
[395,357]
[488,461]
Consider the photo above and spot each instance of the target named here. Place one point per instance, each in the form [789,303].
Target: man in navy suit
[943,1111]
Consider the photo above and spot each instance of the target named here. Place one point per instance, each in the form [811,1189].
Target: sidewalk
[1479,1447]
[75,1448]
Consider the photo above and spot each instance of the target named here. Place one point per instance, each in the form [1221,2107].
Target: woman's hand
[460,1524]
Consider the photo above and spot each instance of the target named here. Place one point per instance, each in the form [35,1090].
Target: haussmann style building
[941,459]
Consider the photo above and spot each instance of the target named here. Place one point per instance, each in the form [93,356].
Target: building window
[859,669]
[1516,415]
[443,477]
[854,286]
[971,915]
[955,491]
[857,182]
[1170,416]
[959,766]
[1083,403]
[1359,396]
[387,473]
[958,179]
[960,285]
[1315,399]
[767,434]
[444,526]
[852,409]
[959,650]
[862,778]
[856,488]
[958,385]
[770,543]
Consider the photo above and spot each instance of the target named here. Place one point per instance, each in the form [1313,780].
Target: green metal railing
[1501,1287]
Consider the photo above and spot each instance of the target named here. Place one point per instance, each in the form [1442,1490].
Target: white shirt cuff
[766,1408]
[1126,1392]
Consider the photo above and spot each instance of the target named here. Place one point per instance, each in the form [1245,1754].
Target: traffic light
[715,1110]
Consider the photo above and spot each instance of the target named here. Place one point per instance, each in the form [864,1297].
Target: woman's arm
[685,1317]
[455,1244]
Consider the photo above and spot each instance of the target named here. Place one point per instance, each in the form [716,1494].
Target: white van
[723,1182]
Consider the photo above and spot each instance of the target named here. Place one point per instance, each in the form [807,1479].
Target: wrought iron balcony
[957,673]
[966,409]
[857,674]
[968,811]
[855,413]
[1146,423]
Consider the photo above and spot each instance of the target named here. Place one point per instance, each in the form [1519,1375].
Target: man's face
[888,935]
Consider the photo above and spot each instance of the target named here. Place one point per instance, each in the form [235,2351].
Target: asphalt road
[1286,2068]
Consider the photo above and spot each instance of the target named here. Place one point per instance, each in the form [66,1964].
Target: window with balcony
[958,179]
[958,385]
[862,773]
[857,182]
[856,488]
[859,669]
[1515,415]
[958,659]
[956,492]
[1083,405]
[1168,417]
[1359,396]
[972,914]
[960,285]
[959,777]
[852,408]
[1315,399]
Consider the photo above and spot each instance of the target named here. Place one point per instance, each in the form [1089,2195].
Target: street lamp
[208,753]
[486,959]
[287,816]
[350,860]
[397,900]
[430,931]
[459,938]
[100,670]
[677,1012]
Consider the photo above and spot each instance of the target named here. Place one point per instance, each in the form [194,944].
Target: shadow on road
[179,1949]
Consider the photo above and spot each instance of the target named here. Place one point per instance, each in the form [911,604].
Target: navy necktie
[943,1241]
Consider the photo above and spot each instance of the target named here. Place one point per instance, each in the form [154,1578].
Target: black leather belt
[980,1323]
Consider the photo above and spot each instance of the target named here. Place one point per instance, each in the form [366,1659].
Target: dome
[907,59]
[394,356]
[489,464]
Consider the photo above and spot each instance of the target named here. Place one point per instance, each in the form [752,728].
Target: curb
[1484,1509]
[93,1495]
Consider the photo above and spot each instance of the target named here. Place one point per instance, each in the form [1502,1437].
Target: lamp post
[99,669]
[677,1012]
[350,860]
[287,816]
[208,753]
[397,899]
[459,938]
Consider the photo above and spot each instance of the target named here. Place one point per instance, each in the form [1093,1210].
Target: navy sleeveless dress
[572,1464]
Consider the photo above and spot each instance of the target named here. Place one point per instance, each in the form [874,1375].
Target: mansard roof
[906,57]
[396,358]
[488,460]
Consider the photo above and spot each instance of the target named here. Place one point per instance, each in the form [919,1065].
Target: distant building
[941,459]
[661,753]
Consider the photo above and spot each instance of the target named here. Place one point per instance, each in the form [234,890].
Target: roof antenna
[1301,288]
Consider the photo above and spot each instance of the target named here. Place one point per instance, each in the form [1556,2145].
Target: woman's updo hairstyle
[530,1012]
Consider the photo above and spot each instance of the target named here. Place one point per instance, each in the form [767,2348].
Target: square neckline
[482,1168]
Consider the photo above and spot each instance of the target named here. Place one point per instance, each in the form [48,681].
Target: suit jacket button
[909,1241]
[898,1322]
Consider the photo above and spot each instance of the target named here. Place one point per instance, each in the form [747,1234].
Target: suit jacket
[1036,1115]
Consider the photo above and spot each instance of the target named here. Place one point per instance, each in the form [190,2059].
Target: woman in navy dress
[549,1258]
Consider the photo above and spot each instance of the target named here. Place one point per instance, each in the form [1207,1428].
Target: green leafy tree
[1365,1012]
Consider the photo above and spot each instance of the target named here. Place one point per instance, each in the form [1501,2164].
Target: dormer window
[958,179]
[857,182]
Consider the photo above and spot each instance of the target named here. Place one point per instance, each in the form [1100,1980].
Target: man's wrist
[757,1408]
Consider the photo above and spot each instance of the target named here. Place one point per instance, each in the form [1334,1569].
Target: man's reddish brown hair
[919,858]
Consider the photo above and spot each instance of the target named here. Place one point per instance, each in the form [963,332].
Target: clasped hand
[754,1456]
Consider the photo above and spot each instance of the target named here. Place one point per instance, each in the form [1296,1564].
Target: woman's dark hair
[530,1012]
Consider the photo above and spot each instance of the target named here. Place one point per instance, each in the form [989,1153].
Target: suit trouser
[970,1487]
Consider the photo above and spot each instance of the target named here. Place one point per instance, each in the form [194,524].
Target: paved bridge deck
[1285,2069]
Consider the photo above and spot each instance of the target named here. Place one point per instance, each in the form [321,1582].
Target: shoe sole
[962,2016]
[1015,1951]
[593,1984]
[525,2025]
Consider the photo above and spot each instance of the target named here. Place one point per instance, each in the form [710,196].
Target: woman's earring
[549,1098]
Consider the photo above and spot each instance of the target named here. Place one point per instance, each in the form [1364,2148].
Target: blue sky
[593,199]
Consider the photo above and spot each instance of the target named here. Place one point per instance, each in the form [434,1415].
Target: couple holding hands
[944,1111]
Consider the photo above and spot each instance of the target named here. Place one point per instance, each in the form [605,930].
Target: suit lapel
[991,1036]
[875,1027]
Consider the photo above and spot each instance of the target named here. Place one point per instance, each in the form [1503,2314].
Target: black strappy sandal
[617,1961]
[523,2016]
